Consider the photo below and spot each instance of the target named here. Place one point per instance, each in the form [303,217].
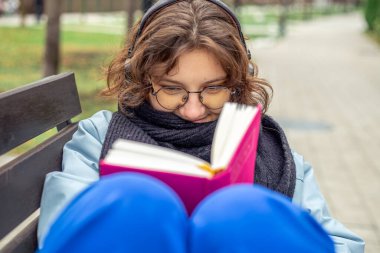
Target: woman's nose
[193,110]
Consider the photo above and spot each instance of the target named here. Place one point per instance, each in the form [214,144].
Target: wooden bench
[25,113]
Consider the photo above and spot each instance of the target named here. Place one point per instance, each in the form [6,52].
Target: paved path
[326,78]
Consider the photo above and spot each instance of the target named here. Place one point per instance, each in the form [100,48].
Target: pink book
[233,158]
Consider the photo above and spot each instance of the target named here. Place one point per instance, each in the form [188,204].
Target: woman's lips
[201,120]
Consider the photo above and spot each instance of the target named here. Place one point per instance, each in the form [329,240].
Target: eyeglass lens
[213,97]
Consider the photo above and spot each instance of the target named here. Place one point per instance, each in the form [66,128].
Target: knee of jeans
[131,198]
[135,192]
[248,218]
[236,200]
[122,207]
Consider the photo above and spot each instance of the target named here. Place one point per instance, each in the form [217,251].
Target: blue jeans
[136,213]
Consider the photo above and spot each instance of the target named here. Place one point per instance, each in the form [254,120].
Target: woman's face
[195,71]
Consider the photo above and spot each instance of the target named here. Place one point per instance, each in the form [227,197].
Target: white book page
[144,156]
[225,123]
[229,132]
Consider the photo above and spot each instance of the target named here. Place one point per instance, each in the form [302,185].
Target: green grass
[83,53]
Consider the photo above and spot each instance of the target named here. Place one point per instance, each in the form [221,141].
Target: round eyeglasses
[172,98]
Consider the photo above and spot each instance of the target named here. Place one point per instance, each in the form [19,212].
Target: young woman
[182,62]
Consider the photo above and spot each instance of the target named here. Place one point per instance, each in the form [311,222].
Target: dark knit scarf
[161,128]
[275,168]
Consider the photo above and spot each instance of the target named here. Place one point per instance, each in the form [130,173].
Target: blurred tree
[307,9]
[146,4]
[283,17]
[372,13]
[38,9]
[22,11]
[1,7]
[236,4]
[131,8]
[52,48]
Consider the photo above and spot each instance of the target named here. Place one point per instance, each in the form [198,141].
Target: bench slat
[33,109]
[23,239]
[21,180]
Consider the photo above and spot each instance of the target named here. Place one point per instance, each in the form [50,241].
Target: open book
[233,156]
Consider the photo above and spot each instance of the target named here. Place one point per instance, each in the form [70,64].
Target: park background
[322,58]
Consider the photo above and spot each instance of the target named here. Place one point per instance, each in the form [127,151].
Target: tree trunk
[52,48]
[22,11]
[283,18]
[146,4]
[236,4]
[130,10]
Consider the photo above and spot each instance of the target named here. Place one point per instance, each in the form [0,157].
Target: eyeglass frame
[154,93]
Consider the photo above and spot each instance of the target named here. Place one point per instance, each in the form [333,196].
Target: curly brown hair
[174,30]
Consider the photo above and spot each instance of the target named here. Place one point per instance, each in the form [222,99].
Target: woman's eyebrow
[171,81]
[207,82]
[223,78]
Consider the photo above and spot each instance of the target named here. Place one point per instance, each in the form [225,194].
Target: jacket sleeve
[79,169]
[308,195]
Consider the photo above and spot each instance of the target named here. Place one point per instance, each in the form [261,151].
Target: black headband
[164,3]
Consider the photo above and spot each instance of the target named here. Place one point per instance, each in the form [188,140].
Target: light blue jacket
[80,168]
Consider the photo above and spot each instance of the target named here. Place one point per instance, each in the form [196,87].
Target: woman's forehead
[197,66]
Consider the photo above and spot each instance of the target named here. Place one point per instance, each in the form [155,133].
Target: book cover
[191,188]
